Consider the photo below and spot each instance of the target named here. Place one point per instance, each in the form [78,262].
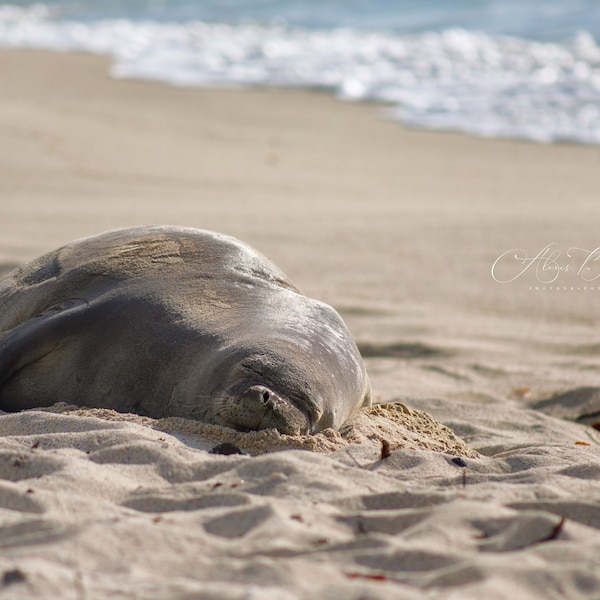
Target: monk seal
[171,321]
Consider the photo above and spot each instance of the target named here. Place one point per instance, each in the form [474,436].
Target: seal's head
[290,386]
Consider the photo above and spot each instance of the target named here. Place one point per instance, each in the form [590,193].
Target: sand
[491,390]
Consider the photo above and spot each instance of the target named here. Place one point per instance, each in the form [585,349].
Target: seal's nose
[263,392]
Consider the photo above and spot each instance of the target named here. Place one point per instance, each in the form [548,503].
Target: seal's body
[168,321]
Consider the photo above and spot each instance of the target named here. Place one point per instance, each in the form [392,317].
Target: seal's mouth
[258,407]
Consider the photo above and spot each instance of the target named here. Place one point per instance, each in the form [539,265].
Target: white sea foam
[454,79]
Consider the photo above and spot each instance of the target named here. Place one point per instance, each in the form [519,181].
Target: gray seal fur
[170,321]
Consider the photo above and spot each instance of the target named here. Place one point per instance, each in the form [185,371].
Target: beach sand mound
[392,424]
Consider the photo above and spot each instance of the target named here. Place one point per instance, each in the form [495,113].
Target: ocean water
[497,68]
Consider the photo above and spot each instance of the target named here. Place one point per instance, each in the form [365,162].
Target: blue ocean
[496,68]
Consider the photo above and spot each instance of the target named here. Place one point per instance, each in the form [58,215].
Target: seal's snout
[258,407]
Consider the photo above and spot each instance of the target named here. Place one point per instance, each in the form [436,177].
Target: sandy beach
[412,236]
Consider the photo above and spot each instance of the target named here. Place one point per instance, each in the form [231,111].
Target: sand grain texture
[92,505]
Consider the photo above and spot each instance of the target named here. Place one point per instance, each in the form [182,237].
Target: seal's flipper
[26,346]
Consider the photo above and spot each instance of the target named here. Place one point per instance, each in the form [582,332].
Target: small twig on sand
[385,449]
